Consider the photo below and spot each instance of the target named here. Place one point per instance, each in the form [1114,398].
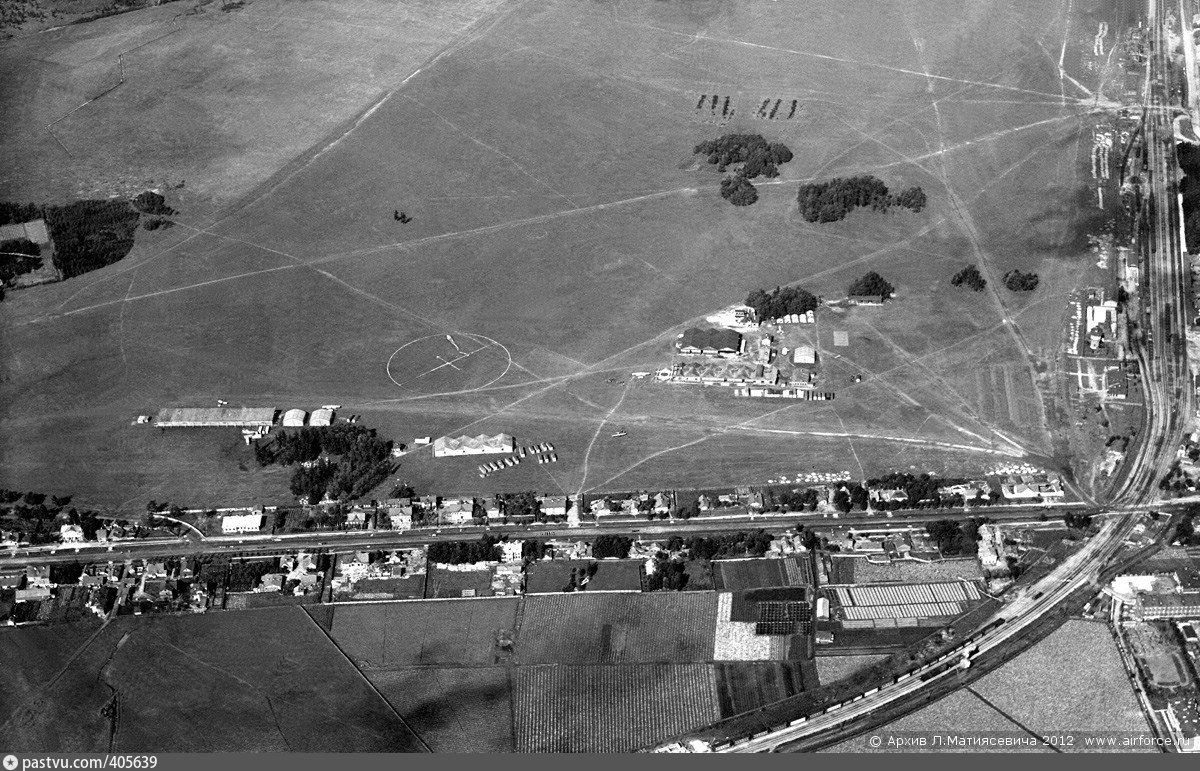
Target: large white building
[241,523]
[445,446]
[321,417]
[206,417]
[294,418]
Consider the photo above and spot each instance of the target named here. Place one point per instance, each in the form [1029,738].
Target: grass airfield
[545,156]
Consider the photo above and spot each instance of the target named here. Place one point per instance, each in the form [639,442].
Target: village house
[400,517]
[456,513]
[554,505]
[70,534]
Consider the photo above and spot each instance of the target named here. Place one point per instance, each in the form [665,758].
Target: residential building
[510,551]
[37,575]
[400,517]
[554,505]
[456,513]
[70,534]
[357,517]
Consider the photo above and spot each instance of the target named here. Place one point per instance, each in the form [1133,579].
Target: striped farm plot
[905,601]
[604,708]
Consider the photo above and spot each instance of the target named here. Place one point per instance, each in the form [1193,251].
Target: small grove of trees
[90,234]
[1017,281]
[849,496]
[740,544]
[486,549]
[756,156]
[669,574]
[150,202]
[954,537]
[781,302]
[364,460]
[832,200]
[1077,521]
[1185,531]
[611,546]
[969,277]
[738,190]
[871,284]
[796,500]
[1188,156]
[522,505]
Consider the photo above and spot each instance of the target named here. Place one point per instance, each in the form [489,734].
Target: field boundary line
[840,60]
[120,82]
[329,636]
[1009,717]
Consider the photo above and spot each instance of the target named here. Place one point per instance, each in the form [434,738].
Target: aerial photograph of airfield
[573,376]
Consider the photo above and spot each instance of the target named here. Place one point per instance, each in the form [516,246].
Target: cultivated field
[912,571]
[742,687]
[830,669]
[609,708]
[558,211]
[249,681]
[674,627]
[734,575]
[405,634]
[453,709]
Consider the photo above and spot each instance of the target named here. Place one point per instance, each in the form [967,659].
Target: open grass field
[961,712]
[830,669]
[559,216]
[609,708]
[675,627]
[406,634]
[1042,689]
[444,584]
[34,654]
[550,576]
[453,709]
[249,681]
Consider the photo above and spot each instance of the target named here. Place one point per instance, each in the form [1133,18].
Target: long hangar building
[214,417]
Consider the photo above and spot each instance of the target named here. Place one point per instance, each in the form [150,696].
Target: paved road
[343,541]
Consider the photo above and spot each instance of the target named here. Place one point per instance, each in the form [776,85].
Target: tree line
[832,200]
[486,549]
